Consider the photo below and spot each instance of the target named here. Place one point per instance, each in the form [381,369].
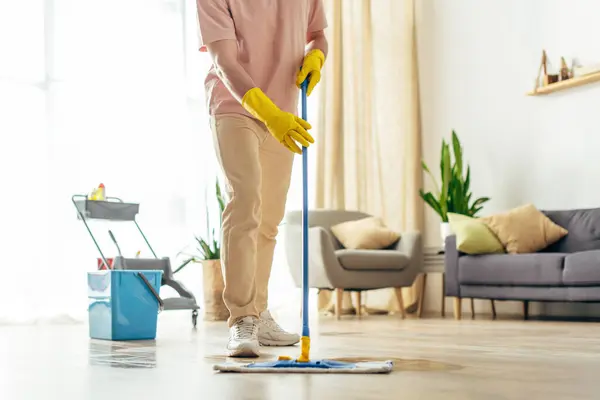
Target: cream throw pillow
[473,236]
[524,229]
[365,234]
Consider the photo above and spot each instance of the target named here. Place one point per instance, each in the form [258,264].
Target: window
[96,92]
[110,92]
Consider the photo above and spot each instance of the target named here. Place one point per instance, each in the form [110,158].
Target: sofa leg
[525,310]
[443,295]
[457,308]
[339,298]
[400,300]
[472,308]
[422,296]
[493,309]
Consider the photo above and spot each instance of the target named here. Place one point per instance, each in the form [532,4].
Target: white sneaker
[243,338]
[271,334]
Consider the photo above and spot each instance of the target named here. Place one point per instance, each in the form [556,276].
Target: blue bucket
[122,307]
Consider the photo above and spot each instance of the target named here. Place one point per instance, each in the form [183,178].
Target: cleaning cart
[114,209]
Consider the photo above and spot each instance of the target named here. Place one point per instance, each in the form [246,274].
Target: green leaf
[184,263]
[435,183]
[433,203]
[444,151]
[477,206]
[457,153]
[446,176]
[205,250]
[220,198]
[468,179]
[456,194]
[216,252]
[473,212]
[468,199]
[480,201]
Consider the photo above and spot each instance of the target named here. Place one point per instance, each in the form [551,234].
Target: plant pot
[213,285]
[445,231]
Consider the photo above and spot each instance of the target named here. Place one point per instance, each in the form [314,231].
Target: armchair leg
[339,298]
[400,299]
[493,309]
[526,310]
[358,298]
[457,308]
[472,308]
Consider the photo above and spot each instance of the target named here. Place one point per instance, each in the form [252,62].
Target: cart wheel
[194,318]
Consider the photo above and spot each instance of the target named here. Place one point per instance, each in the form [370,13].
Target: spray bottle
[101,193]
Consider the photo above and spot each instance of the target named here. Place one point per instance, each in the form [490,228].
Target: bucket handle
[161,304]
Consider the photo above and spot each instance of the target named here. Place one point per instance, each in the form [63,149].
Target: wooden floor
[434,359]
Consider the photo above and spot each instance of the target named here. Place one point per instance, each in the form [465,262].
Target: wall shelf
[563,85]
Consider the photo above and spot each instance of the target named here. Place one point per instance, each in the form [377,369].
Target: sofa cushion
[524,229]
[367,234]
[582,269]
[372,259]
[473,236]
[584,230]
[540,269]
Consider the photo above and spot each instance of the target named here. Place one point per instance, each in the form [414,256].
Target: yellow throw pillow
[473,236]
[365,234]
[524,229]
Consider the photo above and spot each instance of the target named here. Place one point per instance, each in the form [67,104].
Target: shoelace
[246,330]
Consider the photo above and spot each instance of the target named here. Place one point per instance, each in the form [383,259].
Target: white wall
[477,59]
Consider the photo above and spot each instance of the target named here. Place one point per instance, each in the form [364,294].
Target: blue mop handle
[305,328]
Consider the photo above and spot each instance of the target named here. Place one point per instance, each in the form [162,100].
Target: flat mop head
[310,367]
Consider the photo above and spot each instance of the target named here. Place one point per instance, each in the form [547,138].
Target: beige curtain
[369,148]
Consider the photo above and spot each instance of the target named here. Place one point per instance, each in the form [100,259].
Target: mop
[304,364]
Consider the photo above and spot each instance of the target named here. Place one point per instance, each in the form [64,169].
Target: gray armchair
[333,267]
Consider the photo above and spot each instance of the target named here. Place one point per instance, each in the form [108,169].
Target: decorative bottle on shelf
[565,72]
[547,78]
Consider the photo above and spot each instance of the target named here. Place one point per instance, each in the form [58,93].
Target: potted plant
[454,195]
[208,253]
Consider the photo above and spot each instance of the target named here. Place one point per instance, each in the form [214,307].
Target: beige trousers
[257,170]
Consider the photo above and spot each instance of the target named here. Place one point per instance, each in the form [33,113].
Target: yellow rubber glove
[284,126]
[311,68]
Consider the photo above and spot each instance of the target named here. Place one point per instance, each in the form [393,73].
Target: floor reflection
[122,354]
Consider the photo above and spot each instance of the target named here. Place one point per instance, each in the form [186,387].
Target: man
[262,50]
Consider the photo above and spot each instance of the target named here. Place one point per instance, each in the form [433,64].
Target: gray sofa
[567,271]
